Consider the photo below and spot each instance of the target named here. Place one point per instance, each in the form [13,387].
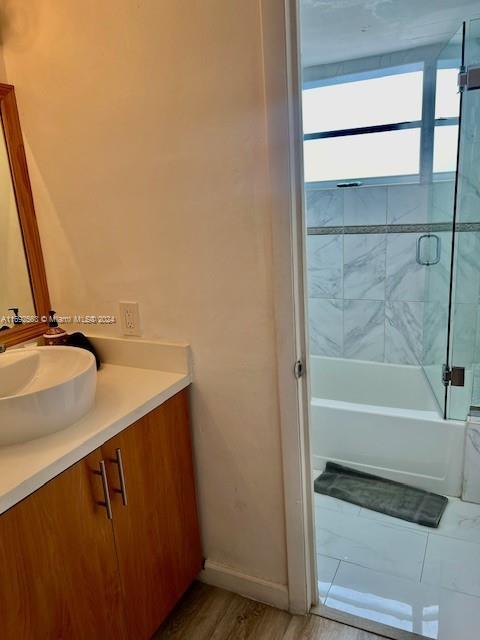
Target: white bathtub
[383,419]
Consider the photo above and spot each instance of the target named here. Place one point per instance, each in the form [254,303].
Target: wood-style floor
[208,613]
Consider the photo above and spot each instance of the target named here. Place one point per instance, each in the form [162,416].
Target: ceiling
[338,30]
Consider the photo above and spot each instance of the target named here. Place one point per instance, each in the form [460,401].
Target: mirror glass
[15,289]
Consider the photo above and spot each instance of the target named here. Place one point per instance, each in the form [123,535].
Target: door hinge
[453,376]
[469,79]
[298,369]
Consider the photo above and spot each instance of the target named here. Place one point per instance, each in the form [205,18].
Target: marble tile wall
[368,297]
[471,474]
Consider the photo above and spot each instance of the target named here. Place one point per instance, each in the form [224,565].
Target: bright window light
[385,100]
[390,153]
[447,99]
[445,149]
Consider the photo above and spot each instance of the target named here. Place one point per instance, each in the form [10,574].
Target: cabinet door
[156,532]
[58,569]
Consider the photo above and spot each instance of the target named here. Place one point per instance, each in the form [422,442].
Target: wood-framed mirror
[23,282]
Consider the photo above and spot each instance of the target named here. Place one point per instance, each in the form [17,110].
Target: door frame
[280,40]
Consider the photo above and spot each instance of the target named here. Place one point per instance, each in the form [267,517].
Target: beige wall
[145,127]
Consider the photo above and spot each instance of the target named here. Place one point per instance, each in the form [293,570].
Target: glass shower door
[436,245]
[464,347]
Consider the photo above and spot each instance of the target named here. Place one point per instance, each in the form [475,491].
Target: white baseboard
[219,575]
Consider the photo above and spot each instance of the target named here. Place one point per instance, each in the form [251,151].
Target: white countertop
[124,394]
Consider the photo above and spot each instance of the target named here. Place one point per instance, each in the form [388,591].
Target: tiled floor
[402,574]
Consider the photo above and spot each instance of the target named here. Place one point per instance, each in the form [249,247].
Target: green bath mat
[378,494]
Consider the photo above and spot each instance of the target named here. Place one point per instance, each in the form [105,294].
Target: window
[447,96]
[364,126]
[447,108]
[389,153]
[445,149]
[372,125]
[356,103]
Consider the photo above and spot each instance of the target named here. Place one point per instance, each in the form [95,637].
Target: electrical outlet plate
[130,319]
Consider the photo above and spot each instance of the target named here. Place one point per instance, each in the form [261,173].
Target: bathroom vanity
[99,534]
[106,545]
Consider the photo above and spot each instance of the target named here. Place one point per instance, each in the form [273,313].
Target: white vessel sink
[43,390]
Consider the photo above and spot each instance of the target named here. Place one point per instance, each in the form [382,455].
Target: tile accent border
[394,228]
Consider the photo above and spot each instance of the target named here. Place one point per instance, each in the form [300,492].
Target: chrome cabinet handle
[105,503]
[121,476]
[438,245]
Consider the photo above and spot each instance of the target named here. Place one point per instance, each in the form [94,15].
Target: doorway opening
[391,150]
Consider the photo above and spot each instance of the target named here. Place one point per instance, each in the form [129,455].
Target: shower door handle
[438,245]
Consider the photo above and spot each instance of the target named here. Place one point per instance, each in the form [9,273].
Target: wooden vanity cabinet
[58,567]
[156,532]
[69,572]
